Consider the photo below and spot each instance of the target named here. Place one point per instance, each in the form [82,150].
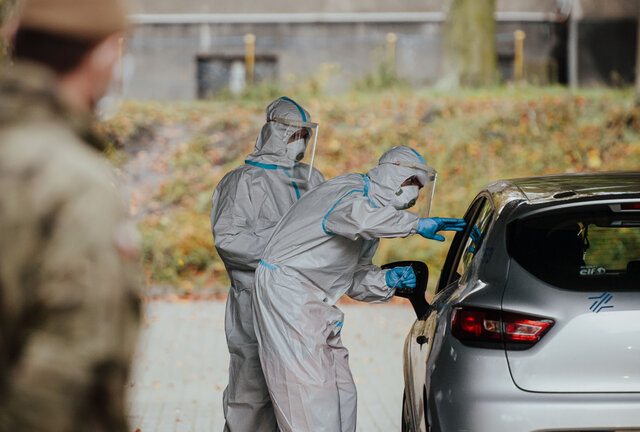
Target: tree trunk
[638,60]
[469,43]
[7,9]
[3,43]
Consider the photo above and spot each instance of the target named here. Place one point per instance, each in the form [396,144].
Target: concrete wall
[284,6]
[166,55]
[350,36]
[332,6]
[165,62]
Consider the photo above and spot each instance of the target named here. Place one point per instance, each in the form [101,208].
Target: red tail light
[495,329]
[630,206]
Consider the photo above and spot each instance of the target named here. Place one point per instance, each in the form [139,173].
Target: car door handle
[422,339]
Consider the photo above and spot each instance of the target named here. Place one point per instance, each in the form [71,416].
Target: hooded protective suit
[321,249]
[247,204]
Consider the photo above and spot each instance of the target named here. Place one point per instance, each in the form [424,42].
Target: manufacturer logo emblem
[600,302]
[592,271]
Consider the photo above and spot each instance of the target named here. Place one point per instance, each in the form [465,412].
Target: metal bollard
[518,60]
[249,56]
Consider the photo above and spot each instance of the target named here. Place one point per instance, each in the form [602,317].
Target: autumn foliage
[471,138]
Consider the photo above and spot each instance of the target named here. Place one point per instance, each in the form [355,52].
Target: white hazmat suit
[321,249]
[247,204]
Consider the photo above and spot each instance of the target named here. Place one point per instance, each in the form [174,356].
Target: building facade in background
[195,49]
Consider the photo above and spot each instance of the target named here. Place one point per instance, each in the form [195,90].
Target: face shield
[425,200]
[427,177]
[294,128]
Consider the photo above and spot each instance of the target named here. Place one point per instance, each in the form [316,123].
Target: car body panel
[476,394]
[585,350]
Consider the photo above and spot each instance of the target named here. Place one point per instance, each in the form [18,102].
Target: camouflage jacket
[69,270]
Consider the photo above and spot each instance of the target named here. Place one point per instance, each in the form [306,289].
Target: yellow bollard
[249,56]
[392,42]
[518,60]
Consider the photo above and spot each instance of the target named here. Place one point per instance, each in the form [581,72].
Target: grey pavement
[181,366]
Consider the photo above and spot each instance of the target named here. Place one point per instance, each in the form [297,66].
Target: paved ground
[180,369]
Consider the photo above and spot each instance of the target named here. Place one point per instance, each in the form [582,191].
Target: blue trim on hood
[304,117]
[419,157]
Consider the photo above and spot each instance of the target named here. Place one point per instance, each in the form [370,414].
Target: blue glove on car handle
[401,277]
[429,227]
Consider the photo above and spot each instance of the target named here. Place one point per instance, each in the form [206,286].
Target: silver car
[535,323]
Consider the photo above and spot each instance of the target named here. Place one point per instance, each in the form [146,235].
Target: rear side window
[592,247]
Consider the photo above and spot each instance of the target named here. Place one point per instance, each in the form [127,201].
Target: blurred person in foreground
[247,205]
[69,267]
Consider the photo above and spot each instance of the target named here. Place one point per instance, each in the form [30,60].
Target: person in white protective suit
[247,204]
[321,249]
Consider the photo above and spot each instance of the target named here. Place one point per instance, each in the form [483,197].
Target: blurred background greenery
[472,137]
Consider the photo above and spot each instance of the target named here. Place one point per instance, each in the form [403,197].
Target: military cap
[78,19]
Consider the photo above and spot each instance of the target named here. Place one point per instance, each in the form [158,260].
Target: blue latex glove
[401,277]
[429,227]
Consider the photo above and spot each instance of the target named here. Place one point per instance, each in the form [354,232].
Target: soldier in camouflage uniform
[69,273]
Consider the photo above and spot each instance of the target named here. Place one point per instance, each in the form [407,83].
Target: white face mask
[406,197]
[295,150]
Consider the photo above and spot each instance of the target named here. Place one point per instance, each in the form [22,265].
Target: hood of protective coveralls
[394,167]
[271,145]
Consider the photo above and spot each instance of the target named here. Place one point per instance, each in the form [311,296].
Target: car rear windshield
[589,247]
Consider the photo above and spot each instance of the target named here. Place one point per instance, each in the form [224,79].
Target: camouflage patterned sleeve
[80,321]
